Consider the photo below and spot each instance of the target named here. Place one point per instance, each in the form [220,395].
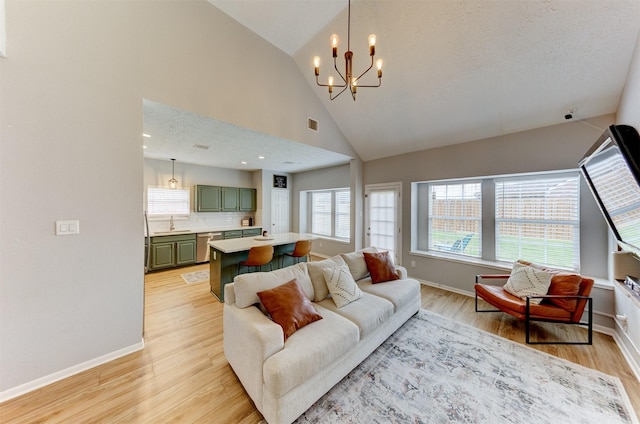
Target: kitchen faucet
[171,226]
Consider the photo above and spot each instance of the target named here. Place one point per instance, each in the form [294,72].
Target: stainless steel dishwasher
[202,246]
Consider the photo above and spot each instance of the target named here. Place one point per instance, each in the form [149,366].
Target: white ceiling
[175,133]
[455,70]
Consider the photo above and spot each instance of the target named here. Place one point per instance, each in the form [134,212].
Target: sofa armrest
[402,271]
[250,338]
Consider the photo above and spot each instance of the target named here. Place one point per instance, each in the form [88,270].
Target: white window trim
[331,236]
[419,228]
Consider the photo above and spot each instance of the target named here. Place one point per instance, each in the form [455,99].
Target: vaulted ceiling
[457,71]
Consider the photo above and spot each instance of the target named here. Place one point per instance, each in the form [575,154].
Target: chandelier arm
[341,91]
[335,66]
[327,85]
[372,86]
[362,74]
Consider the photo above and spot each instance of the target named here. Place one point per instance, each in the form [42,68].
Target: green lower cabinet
[162,255]
[186,252]
[172,251]
[251,232]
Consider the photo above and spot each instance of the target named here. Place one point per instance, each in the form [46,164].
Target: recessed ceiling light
[260,157]
[144,147]
[146,135]
[244,162]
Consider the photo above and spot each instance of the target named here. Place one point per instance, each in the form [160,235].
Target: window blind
[163,201]
[537,219]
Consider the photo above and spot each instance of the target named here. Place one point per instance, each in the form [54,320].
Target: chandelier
[348,80]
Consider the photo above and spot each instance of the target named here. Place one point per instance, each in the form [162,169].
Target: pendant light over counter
[173,183]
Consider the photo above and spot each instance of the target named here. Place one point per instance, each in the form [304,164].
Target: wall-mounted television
[612,170]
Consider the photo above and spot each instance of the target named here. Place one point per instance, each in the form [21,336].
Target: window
[537,219]
[455,218]
[163,201]
[331,213]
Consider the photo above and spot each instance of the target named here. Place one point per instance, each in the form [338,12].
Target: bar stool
[258,256]
[301,249]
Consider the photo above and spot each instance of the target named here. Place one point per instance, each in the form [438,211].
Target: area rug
[195,277]
[435,370]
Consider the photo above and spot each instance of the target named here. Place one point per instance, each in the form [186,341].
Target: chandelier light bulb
[379,63]
[330,81]
[316,61]
[334,40]
[372,40]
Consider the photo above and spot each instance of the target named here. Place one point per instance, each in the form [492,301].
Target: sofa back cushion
[248,285]
[357,264]
[316,274]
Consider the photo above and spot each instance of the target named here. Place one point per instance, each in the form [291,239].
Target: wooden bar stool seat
[258,256]
[301,249]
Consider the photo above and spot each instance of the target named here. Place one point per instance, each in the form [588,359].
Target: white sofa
[285,378]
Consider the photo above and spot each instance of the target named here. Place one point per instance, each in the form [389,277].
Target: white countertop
[201,230]
[246,243]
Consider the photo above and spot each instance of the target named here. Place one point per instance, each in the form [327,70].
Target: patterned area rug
[435,370]
[195,277]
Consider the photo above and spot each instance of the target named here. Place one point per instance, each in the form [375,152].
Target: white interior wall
[71,148]
[544,149]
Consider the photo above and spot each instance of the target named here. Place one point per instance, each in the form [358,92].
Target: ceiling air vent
[312,124]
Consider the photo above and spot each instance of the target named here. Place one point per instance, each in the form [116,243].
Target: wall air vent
[312,124]
[200,146]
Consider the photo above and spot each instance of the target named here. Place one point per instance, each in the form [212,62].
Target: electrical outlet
[64,228]
[413,264]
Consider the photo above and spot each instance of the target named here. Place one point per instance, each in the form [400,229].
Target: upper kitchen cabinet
[225,199]
[230,199]
[247,199]
[208,198]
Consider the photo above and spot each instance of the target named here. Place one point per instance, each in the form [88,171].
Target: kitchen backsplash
[204,221]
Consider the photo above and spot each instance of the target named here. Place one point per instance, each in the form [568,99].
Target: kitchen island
[225,255]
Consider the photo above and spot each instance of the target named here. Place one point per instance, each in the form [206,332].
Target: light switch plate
[65,228]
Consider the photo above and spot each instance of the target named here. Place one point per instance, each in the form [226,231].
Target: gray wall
[327,178]
[544,149]
[71,148]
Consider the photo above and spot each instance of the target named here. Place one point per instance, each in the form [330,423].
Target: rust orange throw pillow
[565,285]
[289,307]
[380,267]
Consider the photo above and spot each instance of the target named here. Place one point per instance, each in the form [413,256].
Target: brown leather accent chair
[558,308]
[258,256]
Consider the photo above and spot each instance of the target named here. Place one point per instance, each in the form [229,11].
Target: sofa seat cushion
[367,313]
[309,351]
[515,306]
[398,292]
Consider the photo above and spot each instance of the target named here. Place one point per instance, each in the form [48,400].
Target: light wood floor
[182,374]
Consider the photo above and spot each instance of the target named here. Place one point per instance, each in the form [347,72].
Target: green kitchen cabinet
[208,198]
[247,199]
[172,251]
[251,232]
[232,234]
[229,197]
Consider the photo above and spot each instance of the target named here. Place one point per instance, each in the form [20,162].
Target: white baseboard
[630,353]
[60,375]
[628,349]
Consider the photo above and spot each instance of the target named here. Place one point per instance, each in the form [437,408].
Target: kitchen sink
[168,233]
